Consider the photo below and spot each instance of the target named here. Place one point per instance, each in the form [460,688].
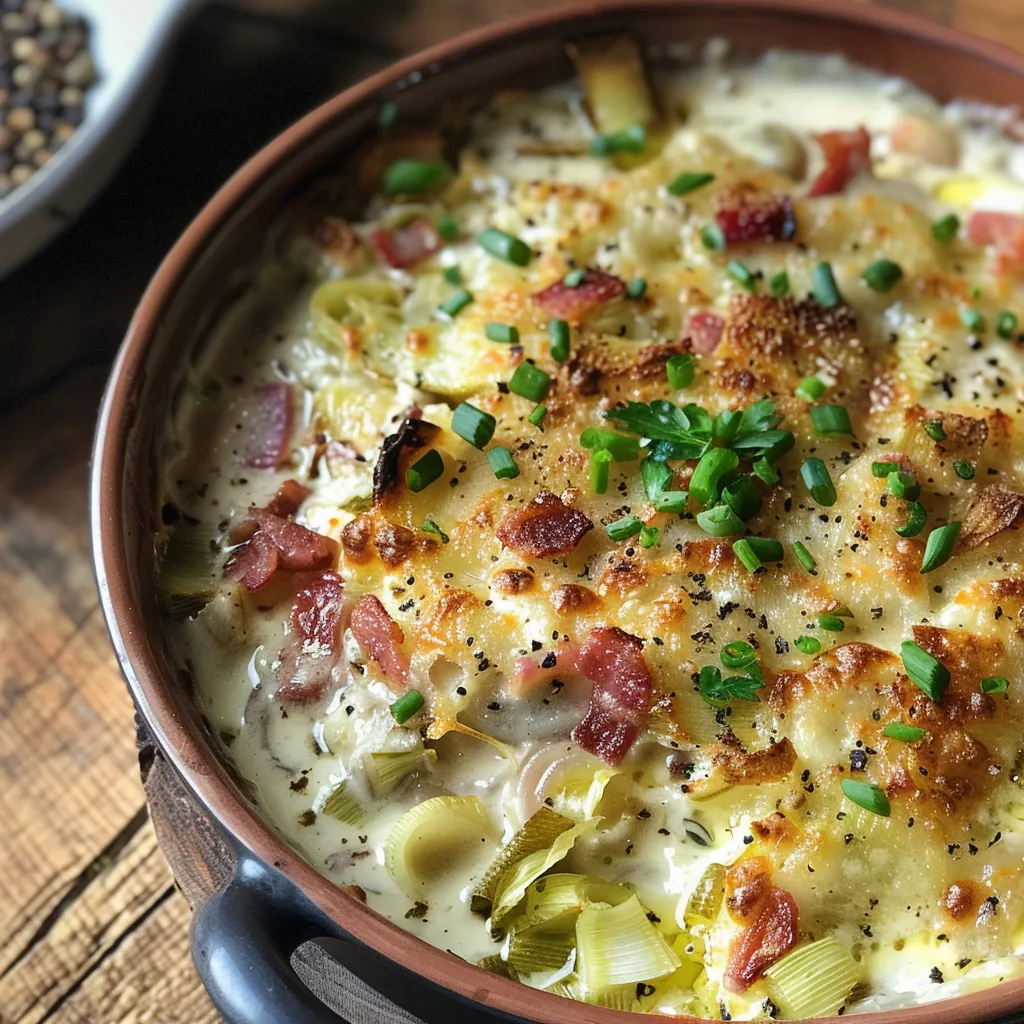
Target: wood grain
[92,928]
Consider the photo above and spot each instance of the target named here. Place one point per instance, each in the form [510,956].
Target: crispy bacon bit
[769,937]
[412,435]
[995,509]
[394,543]
[355,539]
[613,661]
[290,495]
[847,154]
[961,900]
[566,303]
[544,528]
[1005,231]
[381,638]
[406,246]
[268,418]
[746,213]
[306,663]
[739,768]
[275,544]
[512,581]
[703,331]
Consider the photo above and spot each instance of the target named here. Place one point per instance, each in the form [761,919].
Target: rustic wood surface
[92,927]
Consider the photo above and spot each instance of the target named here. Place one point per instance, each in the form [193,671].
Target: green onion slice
[636,288]
[810,389]
[973,319]
[503,464]
[831,421]
[924,671]
[456,304]
[832,623]
[1006,324]
[447,228]
[619,446]
[407,705]
[995,684]
[713,238]
[904,733]
[623,529]
[529,381]
[505,246]
[918,516]
[424,471]
[935,430]
[737,654]
[765,472]
[903,485]
[432,528]
[575,277]
[882,275]
[778,284]
[803,556]
[680,369]
[963,469]
[536,417]
[505,334]
[714,464]
[473,425]
[650,536]
[939,546]
[600,465]
[453,274]
[824,287]
[688,181]
[742,275]
[745,553]
[867,795]
[720,521]
[560,335]
[817,480]
[411,176]
[629,140]
[946,228]
[807,644]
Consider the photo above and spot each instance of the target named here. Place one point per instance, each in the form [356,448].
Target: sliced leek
[374,308]
[342,805]
[552,895]
[814,980]
[619,945]
[434,838]
[387,770]
[543,947]
[188,570]
[496,965]
[442,726]
[512,885]
[616,997]
[704,903]
[615,84]
[538,833]
[580,794]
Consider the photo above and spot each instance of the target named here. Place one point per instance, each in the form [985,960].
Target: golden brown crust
[739,768]
[995,509]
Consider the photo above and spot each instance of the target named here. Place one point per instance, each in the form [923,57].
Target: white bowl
[129,41]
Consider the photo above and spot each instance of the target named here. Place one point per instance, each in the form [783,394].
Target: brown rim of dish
[178,738]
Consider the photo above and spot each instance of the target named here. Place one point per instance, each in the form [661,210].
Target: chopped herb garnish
[412,176]
[804,556]
[431,527]
[903,485]
[935,430]
[537,416]
[629,140]
[1006,324]
[939,546]
[575,277]
[768,549]
[649,536]
[505,334]
[688,181]
[831,421]
[742,497]
[503,464]
[679,369]
[447,228]
[656,477]
[529,381]
[737,654]
[745,553]
[995,684]
[904,733]
[807,644]
[453,274]
[456,304]
[716,690]
[407,705]
[924,671]
[387,115]
[720,521]
[831,623]
[883,469]
[742,275]
[778,284]
[623,529]
[882,275]
[824,287]
[817,480]
[945,229]
[918,516]
[867,795]
[713,238]
[973,319]
[424,471]
[963,469]
[636,288]
[765,472]
[810,389]
[620,447]
[600,464]
[714,464]
[560,335]
[505,246]
[473,425]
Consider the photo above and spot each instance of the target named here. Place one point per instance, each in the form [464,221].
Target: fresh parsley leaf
[760,416]
[716,690]
[664,421]
[656,477]
[726,424]
[752,445]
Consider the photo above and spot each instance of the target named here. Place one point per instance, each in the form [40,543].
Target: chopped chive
[720,521]
[529,381]
[778,284]
[713,465]
[387,115]
[945,229]
[766,472]
[782,444]
[560,335]
[964,469]
[537,416]
[824,287]
[939,546]
[505,246]
[903,485]
[883,469]
[831,421]
[506,334]
[407,705]
[867,795]
[688,181]
[935,430]
[458,302]
[424,471]
[429,526]
[924,671]
[810,389]
[623,529]
[742,275]
[745,553]
[713,238]
[453,274]
[628,140]
[575,277]
[995,684]
[411,176]
[905,733]
[1006,324]
[620,447]
[649,536]
[636,288]
[807,644]
[600,463]
[768,549]
[817,480]
[680,370]
[832,623]
[915,524]
[737,654]
[447,228]
[973,319]
[804,556]
[473,425]
[502,463]
[742,497]
[882,275]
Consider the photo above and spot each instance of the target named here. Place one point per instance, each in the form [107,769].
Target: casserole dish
[144,380]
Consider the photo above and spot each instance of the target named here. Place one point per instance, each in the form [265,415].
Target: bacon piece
[305,665]
[768,938]
[544,528]
[290,495]
[268,417]
[381,638]
[847,154]
[746,213]
[563,302]
[1005,231]
[704,331]
[613,661]
[275,544]
[406,246]
[994,509]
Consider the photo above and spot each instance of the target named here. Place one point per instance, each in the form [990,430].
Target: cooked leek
[619,945]
[433,837]
[188,570]
[814,980]
[512,884]
[538,833]
[442,726]
[371,307]
[543,947]
[615,84]
[341,804]
[580,794]
[704,903]
[615,997]
[552,895]
[496,965]
[387,770]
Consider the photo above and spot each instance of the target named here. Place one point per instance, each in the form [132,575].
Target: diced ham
[290,495]
[544,528]
[1004,231]
[304,671]
[268,418]
[613,661]
[847,154]
[746,214]
[703,331]
[381,638]
[564,302]
[766,939]
[406,246]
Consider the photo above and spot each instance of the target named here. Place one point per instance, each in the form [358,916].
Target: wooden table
[92,928]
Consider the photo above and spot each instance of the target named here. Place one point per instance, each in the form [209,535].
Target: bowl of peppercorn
[78,79]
